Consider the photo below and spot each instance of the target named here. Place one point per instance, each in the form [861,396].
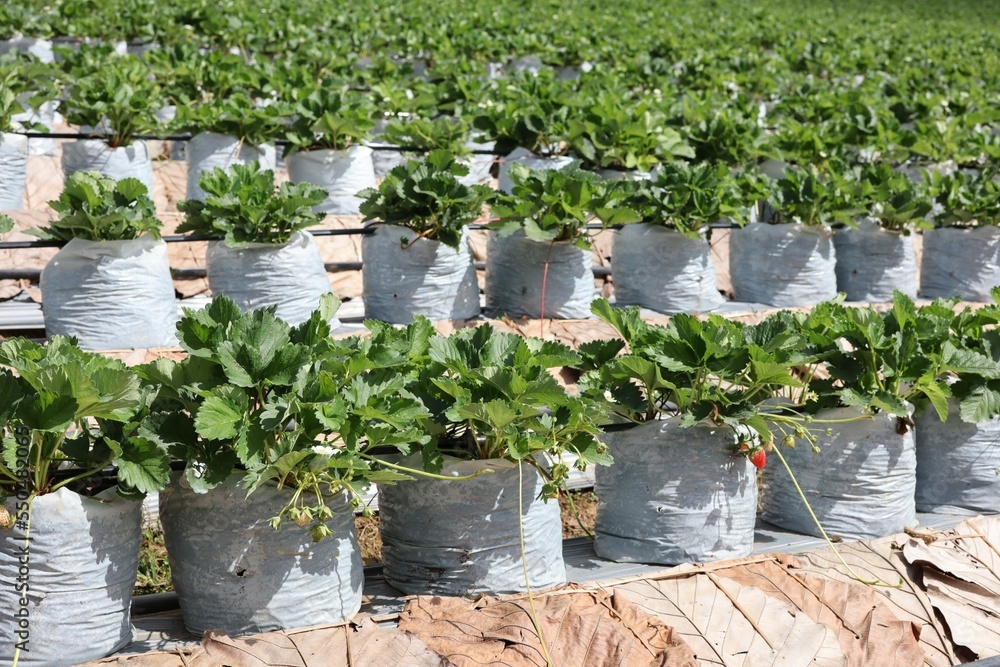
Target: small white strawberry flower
[324,450]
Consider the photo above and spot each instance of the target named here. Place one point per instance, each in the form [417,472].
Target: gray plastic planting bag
[13,170]
[131,161]
[80,571]
[343,174]
[232,571]
[860,485]
[960,262]
[872,262]
[479,164]
[290,276]
[663,270]
[531,161]
[209,150]
[674,495]
[112,295]
[782,265]
[958,464]
[516,271]
[464,537]
[426,278]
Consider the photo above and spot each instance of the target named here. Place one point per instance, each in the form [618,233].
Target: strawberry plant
[555,206]
[532,113]
[327,119]
[716,371]
[427,197]
[96,208]
[6,224]
[446,133]
[685,198]
[813,197]
[118,101]
[234,115]
[891,198]
[286,406]
[77,414]
[966,200]
[242,206]
[492,395]
[610,135]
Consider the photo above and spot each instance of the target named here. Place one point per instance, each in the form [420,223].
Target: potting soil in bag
[210,150]
[464,537]
[80,572]
[343,174]
[872,262]
[958,464]
[674,495]
[783,265]
[131,161]
[516,269]
[960,262]
[663,270]
[112,295]
[426,278]
[531,161]
[13,170]
[290,276]
[232,571]
[860,485]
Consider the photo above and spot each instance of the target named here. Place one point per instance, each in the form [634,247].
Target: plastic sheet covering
[872,262]
[782,265]
[81,569]
[860,485]
[958,463]
[426,278]
[210,150]
[516,268]
[674,495]
[131,161]
[343,174]
[663,270]
[960,262]
[13,170]
[290,276]
[112,295]
[232,571]
[463,537]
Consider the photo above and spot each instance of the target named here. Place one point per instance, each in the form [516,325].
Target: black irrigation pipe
[193,238]
[187,137]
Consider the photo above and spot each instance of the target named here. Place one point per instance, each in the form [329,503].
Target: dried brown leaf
[581,628]
[869,632]
[727,623]
[880,560]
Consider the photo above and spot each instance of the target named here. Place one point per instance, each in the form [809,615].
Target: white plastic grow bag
[960,262]
[783,265]
[479,164]
[860,485]
[663,270]
[516,269]
[464,537]
[872,262]
[291,276]
[81,569]
[131,161]
[426,278]
[47,115]
[13,170]
[111,295]
[531,161]
[674,495]
[209,150]
[232,571]
[343,174]
[958,463]
[40,48]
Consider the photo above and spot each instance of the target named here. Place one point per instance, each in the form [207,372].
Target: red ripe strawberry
[758,457]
